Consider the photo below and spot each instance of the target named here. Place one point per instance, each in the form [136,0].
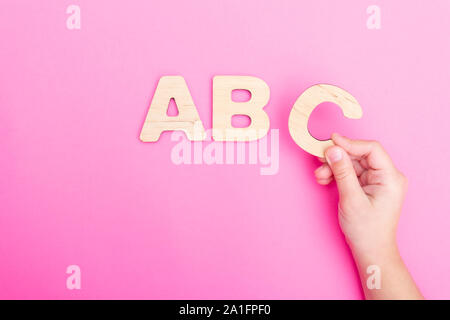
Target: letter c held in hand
[304,106]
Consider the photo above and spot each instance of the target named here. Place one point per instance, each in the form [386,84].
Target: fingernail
[334,155]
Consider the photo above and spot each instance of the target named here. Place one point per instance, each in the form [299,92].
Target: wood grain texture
[187,120]
[304,106]
[224,108]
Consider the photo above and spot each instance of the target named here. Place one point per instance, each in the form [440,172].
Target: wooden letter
[305,104]
[187,119]
[224,108]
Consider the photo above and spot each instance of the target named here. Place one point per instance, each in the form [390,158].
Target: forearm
[395,283]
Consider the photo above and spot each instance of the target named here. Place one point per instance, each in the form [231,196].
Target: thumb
[344,173]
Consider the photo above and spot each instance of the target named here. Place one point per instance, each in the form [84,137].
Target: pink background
[78,187]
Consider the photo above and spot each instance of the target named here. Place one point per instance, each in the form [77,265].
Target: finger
[323,172]
[363,163]
[372,151]
[322,160]
[363,178]
[343,172]
[325,181]
[359,169]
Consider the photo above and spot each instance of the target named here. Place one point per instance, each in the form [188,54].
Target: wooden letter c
[304,106]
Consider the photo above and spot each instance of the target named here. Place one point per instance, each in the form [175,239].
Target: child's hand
[371,192]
